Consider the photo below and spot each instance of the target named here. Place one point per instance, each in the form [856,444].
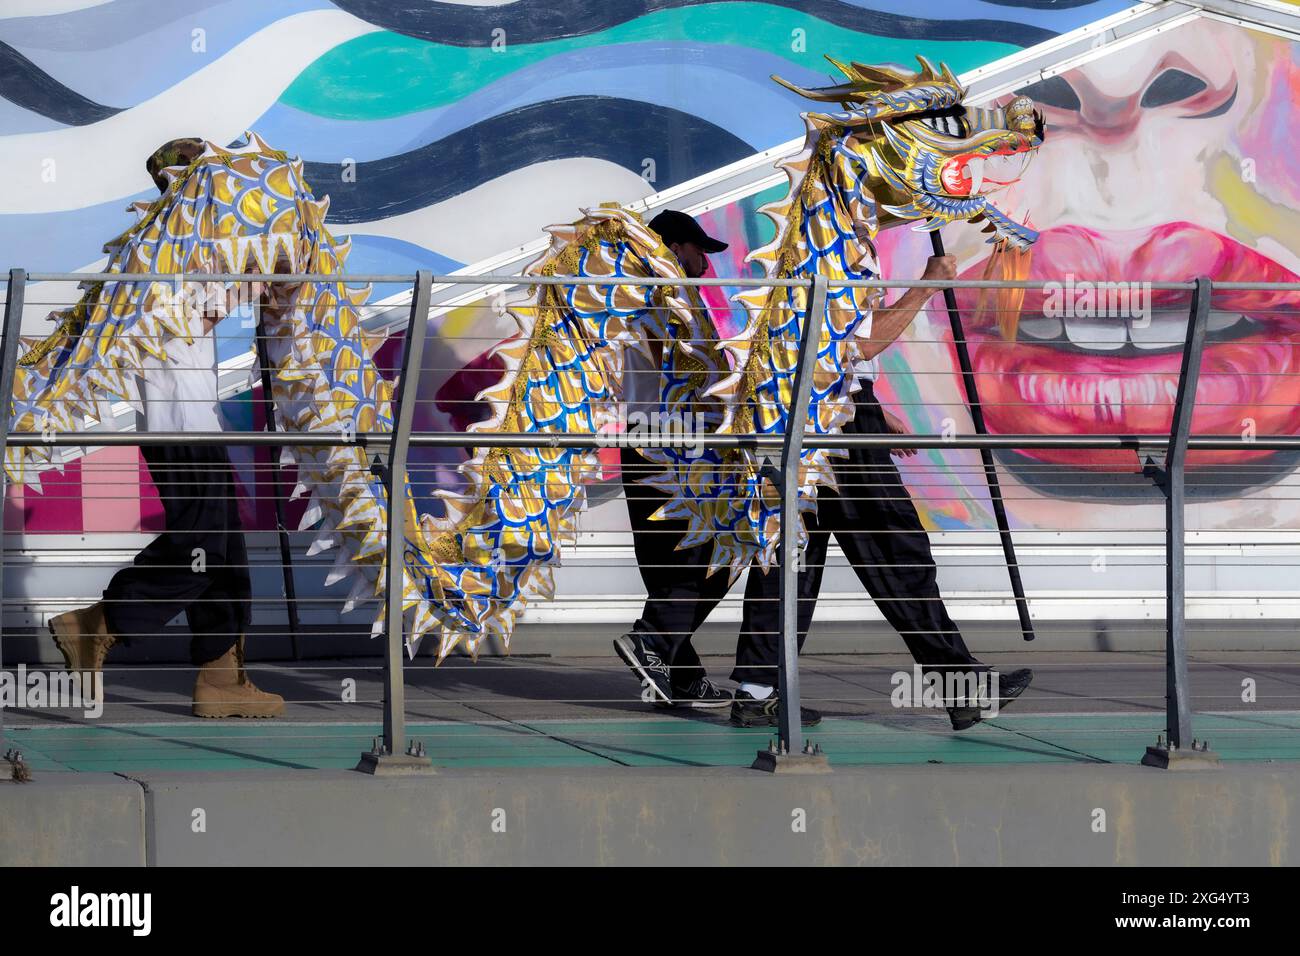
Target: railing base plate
[394,765]
[791,763]
[1165,759]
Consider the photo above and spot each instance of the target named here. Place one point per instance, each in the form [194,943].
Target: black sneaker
[703,694]
[748,711]
[1010,686]
[656,678]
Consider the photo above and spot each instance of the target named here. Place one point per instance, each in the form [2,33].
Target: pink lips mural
[1105,374]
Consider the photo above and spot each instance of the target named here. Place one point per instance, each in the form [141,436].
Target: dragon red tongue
[1249,382]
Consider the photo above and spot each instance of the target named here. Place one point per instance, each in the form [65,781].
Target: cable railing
[1158,459]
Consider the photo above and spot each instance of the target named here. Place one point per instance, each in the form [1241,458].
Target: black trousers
[876,525]
[680,592]
[197,488]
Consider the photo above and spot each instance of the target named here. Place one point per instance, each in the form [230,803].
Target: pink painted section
[110,483]
[13,510]
[56,508]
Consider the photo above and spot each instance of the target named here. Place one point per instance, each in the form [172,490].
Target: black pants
[197,488]
[680,592]
[876,525]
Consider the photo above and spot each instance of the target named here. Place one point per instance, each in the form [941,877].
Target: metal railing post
[1179,751]
[277,489]
[13,324]
[789,754]
[389,757]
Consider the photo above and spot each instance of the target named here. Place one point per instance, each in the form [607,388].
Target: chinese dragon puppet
[899,147]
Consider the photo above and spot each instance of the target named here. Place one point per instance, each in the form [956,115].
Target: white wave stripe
[216,103]
[510,210]
[13,9]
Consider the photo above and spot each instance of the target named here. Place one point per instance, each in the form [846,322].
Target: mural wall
[443,132]
[1165,160]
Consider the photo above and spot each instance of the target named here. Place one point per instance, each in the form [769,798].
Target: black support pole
[1181,751]
[986,455]
[277,490]
[15,295]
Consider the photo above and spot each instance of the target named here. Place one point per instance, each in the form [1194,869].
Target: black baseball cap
[673,226]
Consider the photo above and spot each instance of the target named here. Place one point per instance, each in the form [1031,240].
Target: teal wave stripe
[383,75]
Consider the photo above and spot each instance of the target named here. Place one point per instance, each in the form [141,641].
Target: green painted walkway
[648,742]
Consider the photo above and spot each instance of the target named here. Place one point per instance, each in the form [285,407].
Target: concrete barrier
[72,819]
[1100,815]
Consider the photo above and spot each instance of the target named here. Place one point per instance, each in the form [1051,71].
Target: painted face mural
[1168,160]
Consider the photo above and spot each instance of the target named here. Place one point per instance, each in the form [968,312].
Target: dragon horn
[827,94]
[928,71]
[839,65]
[879,74]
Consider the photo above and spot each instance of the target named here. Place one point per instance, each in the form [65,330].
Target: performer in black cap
[680,592]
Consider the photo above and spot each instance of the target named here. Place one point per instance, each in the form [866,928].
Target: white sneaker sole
[651,692]
[706,704]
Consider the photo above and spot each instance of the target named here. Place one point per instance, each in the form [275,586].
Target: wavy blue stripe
[723,85]
[62,241]
[103,54]
[25,84]
[683,146]
[129,51]
[1054,15]
[14,119]
[376,254]
[533,21]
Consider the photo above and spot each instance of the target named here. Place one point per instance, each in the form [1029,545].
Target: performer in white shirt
[199,563]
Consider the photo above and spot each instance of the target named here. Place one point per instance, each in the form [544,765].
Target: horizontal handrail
[704,282]
[620,440]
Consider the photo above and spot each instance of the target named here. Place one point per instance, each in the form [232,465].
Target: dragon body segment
[245,209]
[564,375]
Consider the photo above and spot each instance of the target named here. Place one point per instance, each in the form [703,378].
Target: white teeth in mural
[1161,332]
[1164,331]
[1106,396]
[1099,335]
[975,170]
[1044,328]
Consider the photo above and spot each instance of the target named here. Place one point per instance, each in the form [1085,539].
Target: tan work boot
[224,690]
[82,637]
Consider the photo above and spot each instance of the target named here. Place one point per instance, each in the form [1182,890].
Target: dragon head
[925,155]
